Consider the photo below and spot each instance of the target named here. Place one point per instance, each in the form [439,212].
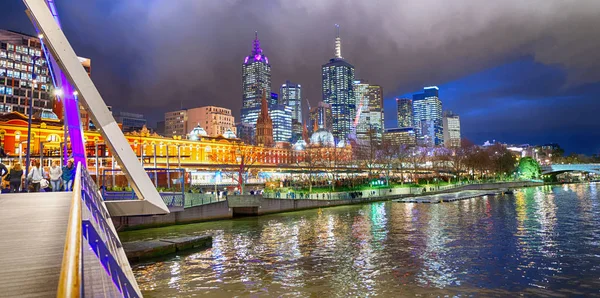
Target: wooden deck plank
[32,234]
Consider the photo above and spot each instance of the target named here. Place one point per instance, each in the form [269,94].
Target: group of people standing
[38,178]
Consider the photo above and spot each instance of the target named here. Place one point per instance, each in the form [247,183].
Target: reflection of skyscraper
[405,112]
[256,78]
[369,99]
[291,95]
[451,129]
[320,117]
[427,113]
[337,79]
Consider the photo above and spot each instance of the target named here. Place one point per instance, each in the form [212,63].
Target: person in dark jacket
[68,174]
[15,177]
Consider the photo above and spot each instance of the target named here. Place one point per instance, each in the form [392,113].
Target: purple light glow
[53,11]
[267,59]
[71,114]
[246,60]
[257,57]
[71,108]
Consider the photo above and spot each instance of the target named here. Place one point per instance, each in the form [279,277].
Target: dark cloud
[154,55]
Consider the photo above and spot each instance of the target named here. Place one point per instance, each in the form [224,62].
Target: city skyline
[518,93]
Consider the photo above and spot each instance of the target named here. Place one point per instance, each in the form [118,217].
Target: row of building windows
[219,110]
[21,58]
[10,108]
[21,75]
[7,108]
[5,90]
[20,49]
[23,84]
[25,67]
[23,101]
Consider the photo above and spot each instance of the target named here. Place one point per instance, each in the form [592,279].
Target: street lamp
[27,157]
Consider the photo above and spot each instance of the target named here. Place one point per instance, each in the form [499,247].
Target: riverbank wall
[232,207]
[248,205]
[206,212]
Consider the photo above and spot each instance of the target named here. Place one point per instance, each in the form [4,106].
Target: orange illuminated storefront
[155,150]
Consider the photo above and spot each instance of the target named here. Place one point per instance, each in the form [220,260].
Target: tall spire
[257,50]
[264,124]
[264,108]
[338,42]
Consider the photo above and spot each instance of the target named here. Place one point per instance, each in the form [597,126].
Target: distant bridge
[558,168]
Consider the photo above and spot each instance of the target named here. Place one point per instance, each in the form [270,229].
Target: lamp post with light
[57,94]
[27,156]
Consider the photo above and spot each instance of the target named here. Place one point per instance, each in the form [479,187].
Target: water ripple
[539,242]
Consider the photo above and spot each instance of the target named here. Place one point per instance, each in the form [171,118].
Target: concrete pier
[449,197]
[142,250]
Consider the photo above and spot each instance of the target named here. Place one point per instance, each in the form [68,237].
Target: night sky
[515,71]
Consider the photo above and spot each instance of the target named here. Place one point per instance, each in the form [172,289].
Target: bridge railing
[197,199]
[169,182]
[92,240]
[69,284]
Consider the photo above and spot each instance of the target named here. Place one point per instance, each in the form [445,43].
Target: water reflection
[541,241]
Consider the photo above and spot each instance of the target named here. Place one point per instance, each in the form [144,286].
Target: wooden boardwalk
[32,237]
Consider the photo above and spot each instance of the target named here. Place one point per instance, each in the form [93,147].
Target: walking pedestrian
[35,176]
[68,173]
[15,176]
[55,176]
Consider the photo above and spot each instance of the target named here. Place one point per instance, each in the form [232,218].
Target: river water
[542,241]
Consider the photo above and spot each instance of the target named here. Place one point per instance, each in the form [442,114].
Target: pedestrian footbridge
[62,244]
[561,168]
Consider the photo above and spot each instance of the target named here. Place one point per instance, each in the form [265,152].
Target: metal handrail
[69,284]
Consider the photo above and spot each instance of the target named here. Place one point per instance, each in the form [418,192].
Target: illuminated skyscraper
[256,78]
[369,99]
[337,88]
[291,96]
[451,129]
[282,122]
[405,112]
[427,113]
